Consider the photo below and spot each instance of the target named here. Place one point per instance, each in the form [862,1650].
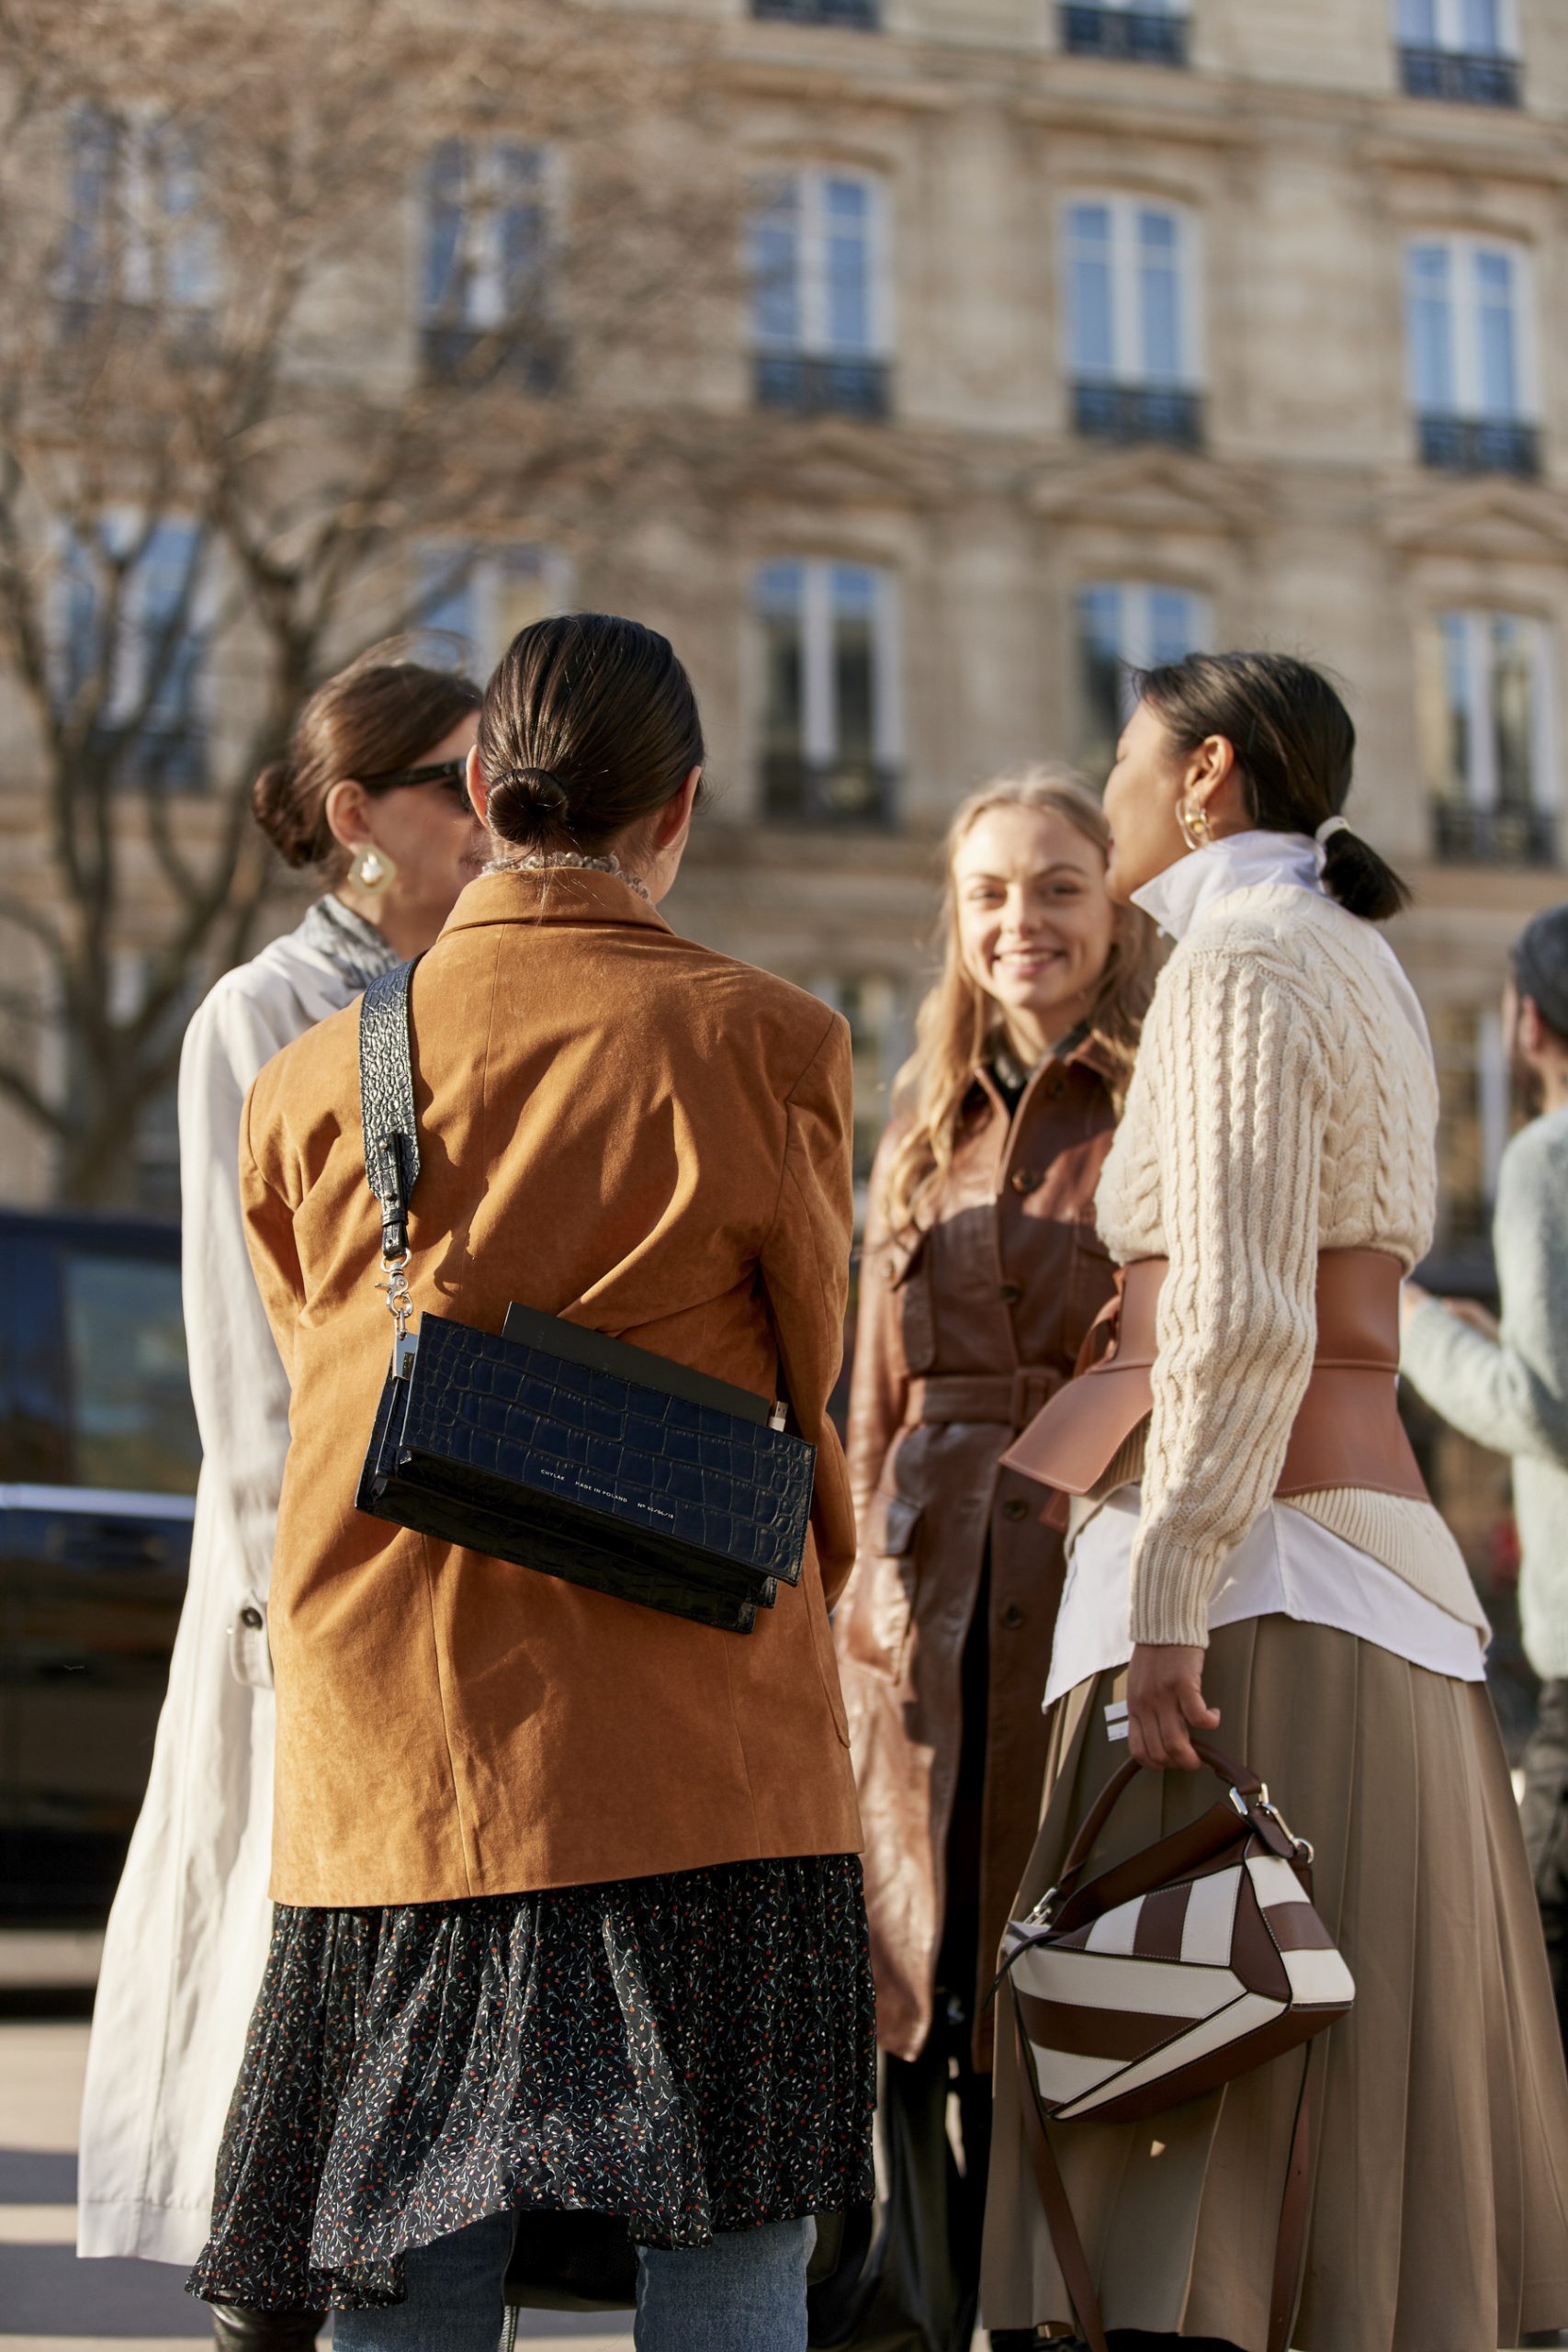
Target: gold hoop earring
[373,869]
[1196,830]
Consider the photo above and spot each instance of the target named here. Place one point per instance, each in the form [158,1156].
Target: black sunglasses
[452,775]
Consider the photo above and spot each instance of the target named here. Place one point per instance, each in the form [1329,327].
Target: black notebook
[596,1350]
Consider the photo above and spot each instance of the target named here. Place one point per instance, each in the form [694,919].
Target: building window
[134,650]
[137,232]
[485,287]
[831,738]
[1124,626]
[820,299]
[859,16]
[1471,354]
[1463,51]
[477,598]
[1489,738]
[1472,1121]
[1132,322]
[1153,32]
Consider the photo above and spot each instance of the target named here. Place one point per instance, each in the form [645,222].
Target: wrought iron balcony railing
[1462,77]
[1477,445]
[1462,835]
[821,387]
[859,16]
[1105,411]
[797,791]
[1150,36]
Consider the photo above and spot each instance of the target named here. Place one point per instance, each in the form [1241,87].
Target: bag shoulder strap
[386,1103]
[1289,2245]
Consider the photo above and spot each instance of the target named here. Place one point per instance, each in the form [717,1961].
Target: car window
[131,1422]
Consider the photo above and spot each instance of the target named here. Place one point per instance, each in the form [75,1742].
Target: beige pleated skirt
[1440,2207]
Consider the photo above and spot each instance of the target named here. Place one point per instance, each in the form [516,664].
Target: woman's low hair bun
[275,802]
[539,786]
[528,807]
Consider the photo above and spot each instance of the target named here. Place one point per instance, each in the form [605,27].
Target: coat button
[1013,1617]
[252,1618]
[1010,1293]
[1015,1508]
[1026,1179]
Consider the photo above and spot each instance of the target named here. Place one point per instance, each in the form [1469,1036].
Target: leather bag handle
[1239,1776]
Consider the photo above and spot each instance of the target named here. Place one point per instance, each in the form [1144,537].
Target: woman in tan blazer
[568,1902]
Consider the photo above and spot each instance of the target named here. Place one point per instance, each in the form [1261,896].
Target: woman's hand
[1165,1700]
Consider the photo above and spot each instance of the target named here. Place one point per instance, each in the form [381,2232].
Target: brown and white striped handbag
[1162,1978]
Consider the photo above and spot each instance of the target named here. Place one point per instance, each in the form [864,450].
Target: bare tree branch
[222,424]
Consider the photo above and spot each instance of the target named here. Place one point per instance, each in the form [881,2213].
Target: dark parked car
[98,1457]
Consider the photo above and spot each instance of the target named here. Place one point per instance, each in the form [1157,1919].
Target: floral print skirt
[692,2053]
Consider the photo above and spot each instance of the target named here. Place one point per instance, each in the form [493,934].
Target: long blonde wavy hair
[958,1017]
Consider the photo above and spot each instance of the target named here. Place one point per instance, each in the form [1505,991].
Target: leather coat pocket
[885,1585]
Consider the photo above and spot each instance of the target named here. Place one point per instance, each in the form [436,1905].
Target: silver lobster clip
[400,1305]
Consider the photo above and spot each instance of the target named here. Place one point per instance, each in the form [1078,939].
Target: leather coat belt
[1346,1432]
[1008,1398]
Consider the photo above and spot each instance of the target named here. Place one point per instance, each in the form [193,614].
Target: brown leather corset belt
[1346,1432]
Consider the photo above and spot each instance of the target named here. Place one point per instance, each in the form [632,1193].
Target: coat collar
[1088,1054]
[551,894]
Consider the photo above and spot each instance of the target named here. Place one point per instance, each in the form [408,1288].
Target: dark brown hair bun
[546,791]
[276,811]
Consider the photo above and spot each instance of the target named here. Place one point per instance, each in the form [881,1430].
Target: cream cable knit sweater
[1282,1105]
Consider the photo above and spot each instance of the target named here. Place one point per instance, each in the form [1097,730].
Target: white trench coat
[188,1935]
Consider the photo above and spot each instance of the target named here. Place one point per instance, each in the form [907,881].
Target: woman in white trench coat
[371,795]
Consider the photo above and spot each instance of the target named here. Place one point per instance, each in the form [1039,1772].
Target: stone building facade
[1078,335]
[1240,321]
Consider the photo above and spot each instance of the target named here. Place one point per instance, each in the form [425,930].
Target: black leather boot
[237,2330]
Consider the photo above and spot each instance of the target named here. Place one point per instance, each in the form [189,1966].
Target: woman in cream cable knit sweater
[1284,1104]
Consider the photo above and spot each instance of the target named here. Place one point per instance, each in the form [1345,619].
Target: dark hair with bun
[380,714]
[1295,745]
[590,726]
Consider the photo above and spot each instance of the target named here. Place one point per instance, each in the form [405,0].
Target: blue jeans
[746,2293]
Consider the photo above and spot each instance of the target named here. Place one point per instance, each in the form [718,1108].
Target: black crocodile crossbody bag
[557,1448]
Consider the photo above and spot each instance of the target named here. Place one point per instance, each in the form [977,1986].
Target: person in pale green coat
[1506,1385]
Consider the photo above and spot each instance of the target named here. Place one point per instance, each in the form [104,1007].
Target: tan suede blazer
[625,1129]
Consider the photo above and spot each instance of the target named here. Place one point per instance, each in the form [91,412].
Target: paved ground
[52,2302]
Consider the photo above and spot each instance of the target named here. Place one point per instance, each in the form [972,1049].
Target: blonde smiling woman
[981,1274]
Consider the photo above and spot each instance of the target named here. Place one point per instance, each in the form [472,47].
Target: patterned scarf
[354,946]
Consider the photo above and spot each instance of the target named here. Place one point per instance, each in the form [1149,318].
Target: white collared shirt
[1195,884]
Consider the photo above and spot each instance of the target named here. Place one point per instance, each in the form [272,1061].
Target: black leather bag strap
[386,1103]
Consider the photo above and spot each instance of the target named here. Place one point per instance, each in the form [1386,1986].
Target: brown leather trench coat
[621,1127]
[963,1333]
